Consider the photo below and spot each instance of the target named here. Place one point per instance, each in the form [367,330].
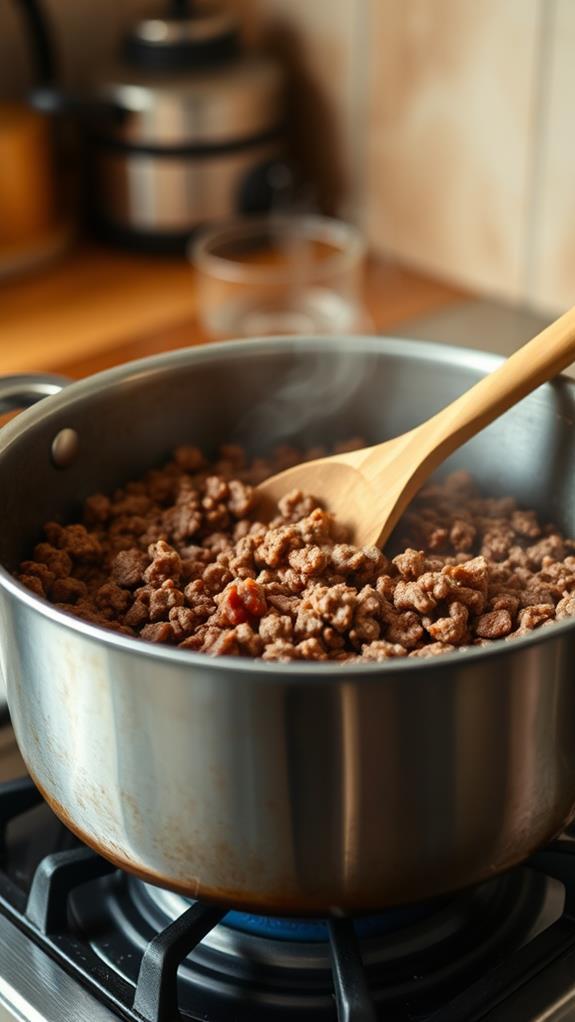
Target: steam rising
[313,400]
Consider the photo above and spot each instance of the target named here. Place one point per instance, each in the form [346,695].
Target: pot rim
[467,357]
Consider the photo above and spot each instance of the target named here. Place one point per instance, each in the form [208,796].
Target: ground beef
[179,557]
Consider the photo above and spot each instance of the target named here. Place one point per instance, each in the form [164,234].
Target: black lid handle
[40,41]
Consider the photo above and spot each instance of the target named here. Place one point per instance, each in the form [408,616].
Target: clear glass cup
[277,275]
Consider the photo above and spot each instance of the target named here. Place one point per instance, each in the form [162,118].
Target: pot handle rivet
[65,447]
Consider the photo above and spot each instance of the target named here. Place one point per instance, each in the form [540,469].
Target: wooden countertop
[97,308]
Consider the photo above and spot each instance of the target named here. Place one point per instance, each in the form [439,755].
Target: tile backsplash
[551,252]
[442,126]
[451,113]
[453,121]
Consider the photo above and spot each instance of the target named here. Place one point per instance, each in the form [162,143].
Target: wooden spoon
[369,489]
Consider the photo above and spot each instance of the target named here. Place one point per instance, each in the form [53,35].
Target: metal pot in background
[189,129]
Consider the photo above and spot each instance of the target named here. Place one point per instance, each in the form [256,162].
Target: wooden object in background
[27,202]
[33,228]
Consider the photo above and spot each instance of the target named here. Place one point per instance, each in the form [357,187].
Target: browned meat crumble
[174,559]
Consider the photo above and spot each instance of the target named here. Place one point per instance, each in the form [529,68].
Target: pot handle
[24,389]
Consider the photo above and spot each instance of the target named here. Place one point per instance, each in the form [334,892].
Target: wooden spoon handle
[533,364]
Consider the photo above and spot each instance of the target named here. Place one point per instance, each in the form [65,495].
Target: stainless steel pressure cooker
[189,129]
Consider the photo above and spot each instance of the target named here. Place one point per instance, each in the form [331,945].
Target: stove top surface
[82,941]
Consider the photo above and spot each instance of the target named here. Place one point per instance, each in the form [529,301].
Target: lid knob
[191,36]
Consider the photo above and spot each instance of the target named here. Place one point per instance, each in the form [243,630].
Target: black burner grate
[105,929]
[157,990]
[155,998]
[351,990]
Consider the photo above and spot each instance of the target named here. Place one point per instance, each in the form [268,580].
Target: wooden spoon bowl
[369,489]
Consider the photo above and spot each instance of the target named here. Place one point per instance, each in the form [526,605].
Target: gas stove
[81,941]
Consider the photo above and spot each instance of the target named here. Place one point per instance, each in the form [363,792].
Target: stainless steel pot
[287,787]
